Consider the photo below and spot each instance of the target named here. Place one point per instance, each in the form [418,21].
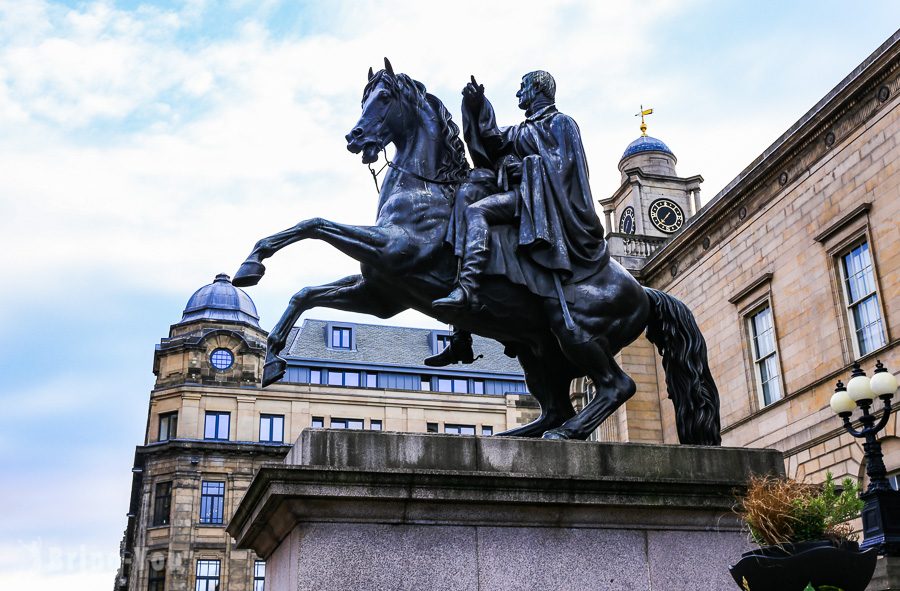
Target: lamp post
[881,513]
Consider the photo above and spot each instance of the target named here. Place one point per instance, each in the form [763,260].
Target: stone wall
[184,540]
[774,237]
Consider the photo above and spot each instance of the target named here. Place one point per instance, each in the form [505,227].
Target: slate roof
[392,345]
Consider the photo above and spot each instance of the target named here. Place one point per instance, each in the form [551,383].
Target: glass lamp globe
[859,387]
[841,402]
[883,382]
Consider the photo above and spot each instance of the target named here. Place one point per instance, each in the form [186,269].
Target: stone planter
[793,566]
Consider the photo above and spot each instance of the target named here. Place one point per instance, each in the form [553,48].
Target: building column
[245,422]
[190,423]
[696,194]
[609,221]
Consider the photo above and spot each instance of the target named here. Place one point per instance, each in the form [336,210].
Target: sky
[145,146]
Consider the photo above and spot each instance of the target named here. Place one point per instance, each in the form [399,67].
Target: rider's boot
[458,351]
[474,263]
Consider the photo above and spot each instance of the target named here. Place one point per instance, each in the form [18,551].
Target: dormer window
[440,340]
[341,337]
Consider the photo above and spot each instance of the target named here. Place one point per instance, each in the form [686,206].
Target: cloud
[144,149]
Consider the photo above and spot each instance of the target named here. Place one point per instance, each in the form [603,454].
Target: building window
[271,428]
[221,359]
[487,431]
[346,423]
[765,357]
[441,342]
[341,337]
[318,422]
[168,426]
[217,425]
[315,376]
[861,299]
[374,425]
[453,385]
[431,427]
[162,503]
[426,384]
[343,378]
[259,575]
[459,429]
[212,502]
[478,386]
[156,576]
[371,380]
[207,575]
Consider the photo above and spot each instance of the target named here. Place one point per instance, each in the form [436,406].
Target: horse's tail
[675,333]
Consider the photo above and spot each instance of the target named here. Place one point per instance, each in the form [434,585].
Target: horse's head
[383,113]
[397,109]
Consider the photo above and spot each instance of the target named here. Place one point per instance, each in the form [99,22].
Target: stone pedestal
[887,575]
[373,510]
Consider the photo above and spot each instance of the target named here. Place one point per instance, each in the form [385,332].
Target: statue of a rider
[534,176]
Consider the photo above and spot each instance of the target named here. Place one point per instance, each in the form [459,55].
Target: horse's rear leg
[352,294]
[613,388]
[548,377]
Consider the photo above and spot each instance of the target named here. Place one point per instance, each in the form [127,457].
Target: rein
[400,169]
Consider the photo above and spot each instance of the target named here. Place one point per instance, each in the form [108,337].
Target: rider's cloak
[558,226]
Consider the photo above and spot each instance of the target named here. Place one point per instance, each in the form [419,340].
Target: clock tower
[652,202]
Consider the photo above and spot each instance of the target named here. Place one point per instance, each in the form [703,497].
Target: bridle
[400,169]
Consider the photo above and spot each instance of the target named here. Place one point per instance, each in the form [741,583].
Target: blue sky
[146,146]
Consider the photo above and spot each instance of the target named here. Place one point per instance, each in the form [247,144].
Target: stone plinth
[373,510]
[887,574]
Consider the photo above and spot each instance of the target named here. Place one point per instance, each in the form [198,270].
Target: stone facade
[775,239]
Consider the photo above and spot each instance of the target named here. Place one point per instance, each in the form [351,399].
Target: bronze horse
[405,263]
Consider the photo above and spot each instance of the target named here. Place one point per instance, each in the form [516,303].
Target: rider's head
[536,84]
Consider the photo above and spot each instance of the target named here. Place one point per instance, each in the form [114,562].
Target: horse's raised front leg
[352,294]
[366,244]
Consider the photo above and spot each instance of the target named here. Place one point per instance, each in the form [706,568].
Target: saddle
[506,258]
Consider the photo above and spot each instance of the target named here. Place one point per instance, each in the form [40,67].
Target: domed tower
[217,341]
[652,202]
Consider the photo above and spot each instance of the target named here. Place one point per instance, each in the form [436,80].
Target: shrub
[783,511]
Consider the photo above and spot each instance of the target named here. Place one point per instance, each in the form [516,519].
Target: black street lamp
[881,513]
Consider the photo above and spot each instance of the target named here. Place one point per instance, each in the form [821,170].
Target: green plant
[783,511]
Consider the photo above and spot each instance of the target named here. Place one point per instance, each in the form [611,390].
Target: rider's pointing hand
[473,93]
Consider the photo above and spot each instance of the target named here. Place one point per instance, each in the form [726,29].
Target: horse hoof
[273,371]
[249,274]
[557,434]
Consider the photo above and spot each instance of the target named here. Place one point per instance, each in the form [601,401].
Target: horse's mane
[411,93]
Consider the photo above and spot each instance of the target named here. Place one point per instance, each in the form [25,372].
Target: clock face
[626,221]
[666,215]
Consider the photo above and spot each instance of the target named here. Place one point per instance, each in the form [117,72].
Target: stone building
[210,426]
[793,274]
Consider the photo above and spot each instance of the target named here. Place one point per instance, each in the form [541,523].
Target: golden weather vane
[641,115]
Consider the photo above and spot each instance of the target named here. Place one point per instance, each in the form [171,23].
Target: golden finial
[641,115]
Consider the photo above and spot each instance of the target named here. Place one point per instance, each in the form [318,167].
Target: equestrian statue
[511,249]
